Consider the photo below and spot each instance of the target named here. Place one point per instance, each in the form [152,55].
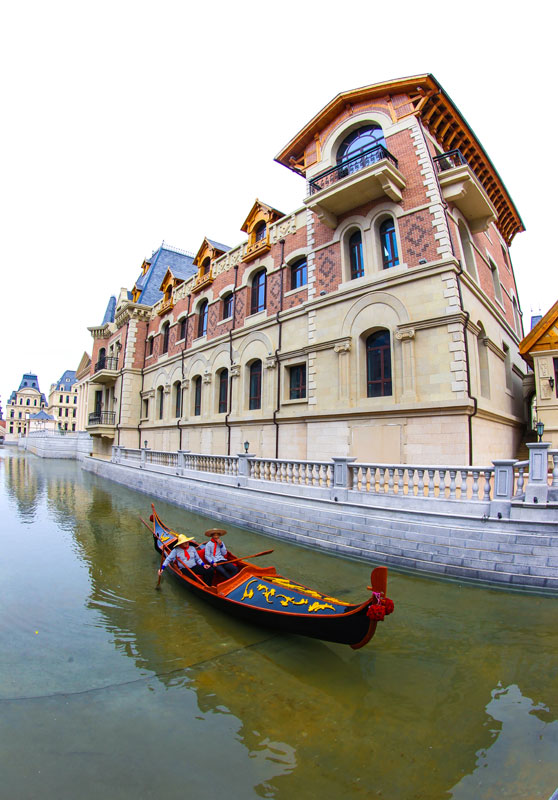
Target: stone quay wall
[53,444]
[457,527]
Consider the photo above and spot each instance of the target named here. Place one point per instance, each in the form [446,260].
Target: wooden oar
[243,558]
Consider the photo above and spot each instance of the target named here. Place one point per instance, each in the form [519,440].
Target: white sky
[126,123]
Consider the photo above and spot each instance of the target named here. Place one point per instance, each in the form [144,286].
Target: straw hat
[183,539]
[215,532]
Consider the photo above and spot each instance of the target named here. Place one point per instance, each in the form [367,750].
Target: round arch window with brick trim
[378,364]
[359,142]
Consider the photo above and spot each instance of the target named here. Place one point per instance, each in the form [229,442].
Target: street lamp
[540,429]
[551,382]
[246,446]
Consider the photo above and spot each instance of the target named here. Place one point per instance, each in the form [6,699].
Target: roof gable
[260,211]
[544,336]
[423,97]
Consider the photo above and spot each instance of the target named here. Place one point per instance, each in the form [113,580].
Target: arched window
[160,402]
[102,359]
[197,395]
[467,248]
[255,386]
[299,273]
[360,148]
[378,364]
[355,255]
[388,243]
[165,331]
[223,390]
[228,300]
[258,292]
[260,231]
[206,264]
[177,399]
[202,319]
[150,346]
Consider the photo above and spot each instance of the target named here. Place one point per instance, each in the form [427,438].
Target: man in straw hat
[216,553]
[185,555]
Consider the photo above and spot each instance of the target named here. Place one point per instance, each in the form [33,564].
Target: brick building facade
[379,320]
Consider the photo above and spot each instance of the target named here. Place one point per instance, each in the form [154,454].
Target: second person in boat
[216,553]
[186,558]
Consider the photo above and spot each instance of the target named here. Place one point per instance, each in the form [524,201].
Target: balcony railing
[349,166]
[108,362]
[449,160]
[102,418]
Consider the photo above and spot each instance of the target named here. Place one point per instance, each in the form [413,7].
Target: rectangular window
[255,387]
[145,409]
[223,390]
[60,401]
[496,282]
[183,328]
[75,399]
[228,306]
[74,426]
[197,396]
[508,367]
[297,382]
[555,361]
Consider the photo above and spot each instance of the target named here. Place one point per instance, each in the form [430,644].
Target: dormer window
[206,266]
[259,234]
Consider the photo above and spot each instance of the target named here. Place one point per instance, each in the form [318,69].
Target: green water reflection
[111,689]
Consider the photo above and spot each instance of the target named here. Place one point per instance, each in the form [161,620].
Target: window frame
[228,300]
[223,392]
[165,331]
[258,292]
[302,384]
[203,313]
[299,268]
[388,242]
[255,385]
[197,396]
[386,376]
[356,271]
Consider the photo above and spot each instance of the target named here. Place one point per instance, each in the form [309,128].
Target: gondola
[260,596]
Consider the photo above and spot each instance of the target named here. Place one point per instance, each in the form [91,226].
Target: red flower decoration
[379,610]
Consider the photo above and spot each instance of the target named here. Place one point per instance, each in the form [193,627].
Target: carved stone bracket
[235,370]
[270,362]
[207,377]
[148,394]
[185,383]
[167,388]
[342,348]
[408,333]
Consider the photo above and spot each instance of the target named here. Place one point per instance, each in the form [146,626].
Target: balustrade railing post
[244,468]
[143,452]
[181,460]
[502,493]
[341,479]
[536,490]
[115,458]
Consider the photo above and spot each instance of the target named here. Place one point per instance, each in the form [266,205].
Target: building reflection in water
[417,707]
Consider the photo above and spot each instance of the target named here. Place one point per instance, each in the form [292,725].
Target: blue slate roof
[109,313]
[66,381]
[179,263]
[41,415]
[29,381]
[224,247]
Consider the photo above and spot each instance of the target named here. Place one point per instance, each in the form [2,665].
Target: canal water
[110,689]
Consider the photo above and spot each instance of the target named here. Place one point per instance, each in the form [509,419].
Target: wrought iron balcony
[102,418]
[449,160]
[349,166]
[107,362]
[462,187]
